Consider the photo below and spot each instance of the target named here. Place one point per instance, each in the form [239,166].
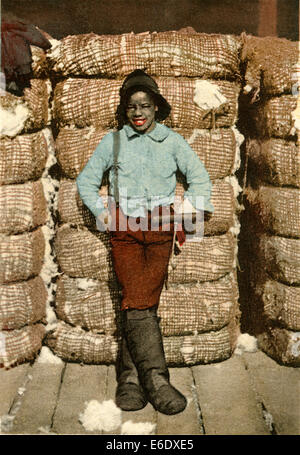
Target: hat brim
[164,108]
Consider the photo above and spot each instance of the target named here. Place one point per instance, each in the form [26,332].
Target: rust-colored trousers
[140,259]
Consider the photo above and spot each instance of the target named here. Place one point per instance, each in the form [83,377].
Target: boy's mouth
[139,122]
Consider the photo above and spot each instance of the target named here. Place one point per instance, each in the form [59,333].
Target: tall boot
[145,345]
[129,395]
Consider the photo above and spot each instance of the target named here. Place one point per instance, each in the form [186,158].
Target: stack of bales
[272,227]
[26,197]
[199,310]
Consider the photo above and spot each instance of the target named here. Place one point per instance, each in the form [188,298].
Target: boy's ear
[156,108]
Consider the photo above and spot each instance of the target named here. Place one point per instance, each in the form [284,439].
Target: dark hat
[138,79]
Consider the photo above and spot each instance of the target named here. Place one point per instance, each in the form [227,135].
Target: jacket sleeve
[89,180]
[199,183]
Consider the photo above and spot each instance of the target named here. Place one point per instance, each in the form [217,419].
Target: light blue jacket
[147,172]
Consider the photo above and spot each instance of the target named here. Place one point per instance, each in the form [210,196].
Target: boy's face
[140,112]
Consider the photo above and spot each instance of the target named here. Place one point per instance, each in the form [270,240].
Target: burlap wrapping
[165,54]
[72,209]
[22,303]
[269,64]
[78,345]
[23,157]
[83,254]
[204,307]
[275,161]
[281,258]
[269,302]
[282,345]
[276,210]
[205,260]
[281,303]
[19,346]
[215,148]
[222,198]
[21,256]
[186,114]
[74,147]
[84,102]
[40,65]
[213,346]
[36,99]
[274,116]
[184,310]
[22,206]
[89,304]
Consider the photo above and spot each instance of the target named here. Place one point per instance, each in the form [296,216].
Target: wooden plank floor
[228,403]
[39,399]
[81,383]
[282,408]
[247,394]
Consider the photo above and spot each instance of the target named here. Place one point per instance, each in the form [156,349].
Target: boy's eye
[143,106]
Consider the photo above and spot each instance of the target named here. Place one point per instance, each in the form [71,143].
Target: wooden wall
[65,17]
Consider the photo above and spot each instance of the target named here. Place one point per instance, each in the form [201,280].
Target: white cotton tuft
[100,416]
[295,347]
[54,51]
[86,283]
[235,230]
[233,181]
[91,130]
[207,96]
[296,119]
[21,390]
[48,272]
[140,428]
[239,139]
[195,133]
[268,419]
[245,343]
[50,268]
[247,89]
[12,121]
[47,356]
[50,318]
[54,42]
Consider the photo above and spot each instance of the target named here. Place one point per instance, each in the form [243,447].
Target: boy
[143,157]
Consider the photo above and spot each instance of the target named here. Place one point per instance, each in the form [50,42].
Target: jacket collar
[158,134]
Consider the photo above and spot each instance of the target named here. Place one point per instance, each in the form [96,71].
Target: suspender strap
[116,148]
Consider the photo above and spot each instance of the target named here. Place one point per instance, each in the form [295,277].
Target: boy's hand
[103,221]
